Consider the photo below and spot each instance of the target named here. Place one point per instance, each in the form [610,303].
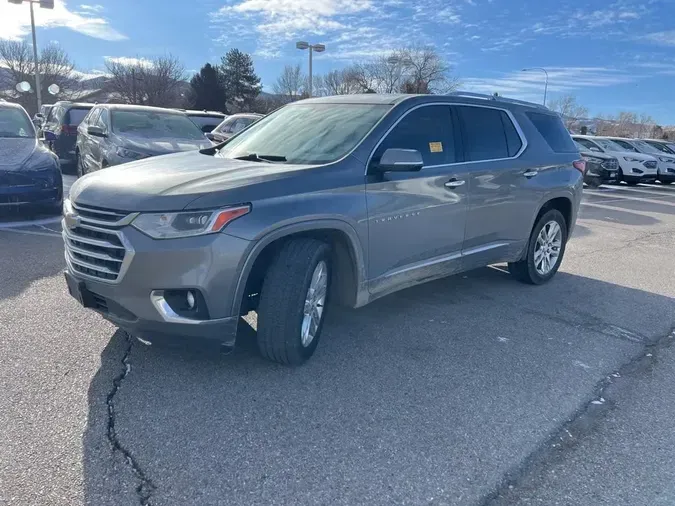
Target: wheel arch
[349,275]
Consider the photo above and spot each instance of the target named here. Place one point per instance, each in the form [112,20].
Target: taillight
[580,165]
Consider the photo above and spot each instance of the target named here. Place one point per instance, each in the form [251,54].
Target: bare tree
[340,82]
[56,68]
[291,82]
[425,71]
[156,82]
[570,111]
[644,126]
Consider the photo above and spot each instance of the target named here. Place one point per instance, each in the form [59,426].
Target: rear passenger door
[86,142]
[501,189]
[416,219]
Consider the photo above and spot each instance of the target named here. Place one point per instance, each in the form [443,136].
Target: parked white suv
[665,161]
[634,167]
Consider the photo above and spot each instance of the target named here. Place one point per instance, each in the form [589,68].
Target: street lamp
[44,4]
[545,84]
[319,48]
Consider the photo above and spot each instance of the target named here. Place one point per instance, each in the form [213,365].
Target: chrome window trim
[515,123]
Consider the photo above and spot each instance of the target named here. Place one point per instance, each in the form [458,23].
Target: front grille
[650,164]
[95,246]
[612,164]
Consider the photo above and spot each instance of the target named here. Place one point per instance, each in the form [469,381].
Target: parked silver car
[112,134]
[232,125]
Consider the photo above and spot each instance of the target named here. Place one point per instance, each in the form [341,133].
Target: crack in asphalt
[579,425]
[146,487]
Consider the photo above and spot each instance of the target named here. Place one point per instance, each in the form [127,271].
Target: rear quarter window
[553,131]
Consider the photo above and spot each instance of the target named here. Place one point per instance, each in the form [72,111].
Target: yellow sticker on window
[436,147]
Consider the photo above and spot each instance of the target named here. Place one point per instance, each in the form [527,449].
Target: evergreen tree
[241,83]
[208,89]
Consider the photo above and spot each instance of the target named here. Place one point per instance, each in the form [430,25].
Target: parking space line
[616,197]
[33,223]
[631,190]
[30,232]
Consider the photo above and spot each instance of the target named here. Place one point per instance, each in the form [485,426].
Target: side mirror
[596,150]
[96,131]
[50,136]
[400,160]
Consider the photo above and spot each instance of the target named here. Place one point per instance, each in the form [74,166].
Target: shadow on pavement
[430,394]
[25,259]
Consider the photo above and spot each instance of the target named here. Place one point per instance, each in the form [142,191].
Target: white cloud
[129,60]
[92,8]
[662,38]
[15,21]
[530,85]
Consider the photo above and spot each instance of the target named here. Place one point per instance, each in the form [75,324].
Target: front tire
[545,250]
[293,300]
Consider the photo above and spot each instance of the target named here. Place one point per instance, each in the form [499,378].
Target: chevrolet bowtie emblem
[71,220]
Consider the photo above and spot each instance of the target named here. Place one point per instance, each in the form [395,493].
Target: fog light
[190,299]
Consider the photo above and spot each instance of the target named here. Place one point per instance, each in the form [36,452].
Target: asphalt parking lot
[447,393]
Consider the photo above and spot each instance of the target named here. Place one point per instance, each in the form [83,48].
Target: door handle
[530,173]
[453,183]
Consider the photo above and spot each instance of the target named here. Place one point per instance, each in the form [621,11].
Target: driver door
[416,220]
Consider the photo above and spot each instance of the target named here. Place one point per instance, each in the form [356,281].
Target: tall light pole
[319,48]
[545,84]
[45,4]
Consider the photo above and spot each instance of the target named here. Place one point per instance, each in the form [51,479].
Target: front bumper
[667,175]
[210,264]
[20,189]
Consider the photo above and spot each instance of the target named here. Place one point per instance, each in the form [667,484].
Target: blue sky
[612,55]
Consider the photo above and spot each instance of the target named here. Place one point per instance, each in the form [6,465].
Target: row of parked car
[615,159]
[95,136]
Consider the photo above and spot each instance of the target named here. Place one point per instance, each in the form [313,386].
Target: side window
[103,119]
[484,132]
[429,130]
[551,128]
[227,126]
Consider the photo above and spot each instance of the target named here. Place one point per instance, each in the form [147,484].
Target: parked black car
[60,128]
[30,175]
[206,120]
[600,168]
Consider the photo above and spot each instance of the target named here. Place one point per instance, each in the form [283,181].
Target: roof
[245,115]
[10,105]
[458,97]
[195,112]
[140,108]
[73,104]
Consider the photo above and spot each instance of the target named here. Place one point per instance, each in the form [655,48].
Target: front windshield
[307,133]
[646,148]
[14,123]
[609,145]
[154,125]
[662,148]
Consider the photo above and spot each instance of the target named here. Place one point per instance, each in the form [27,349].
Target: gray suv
[335,199]
[112,134]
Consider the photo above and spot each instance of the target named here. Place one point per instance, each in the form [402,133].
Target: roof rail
[484,96]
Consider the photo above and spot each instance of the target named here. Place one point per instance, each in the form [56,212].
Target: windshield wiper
[254,157]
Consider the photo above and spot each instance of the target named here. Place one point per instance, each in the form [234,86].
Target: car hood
[638,156]
[24,154]
[161,146]
[594,154]
[171,182]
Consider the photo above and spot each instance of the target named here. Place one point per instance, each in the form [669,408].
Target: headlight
[631,159]
[187,224]
[592,159]
[131,155]
[666,159]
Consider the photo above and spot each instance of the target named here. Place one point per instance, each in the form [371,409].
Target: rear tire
[530,270]
[288,302]
[666,182]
